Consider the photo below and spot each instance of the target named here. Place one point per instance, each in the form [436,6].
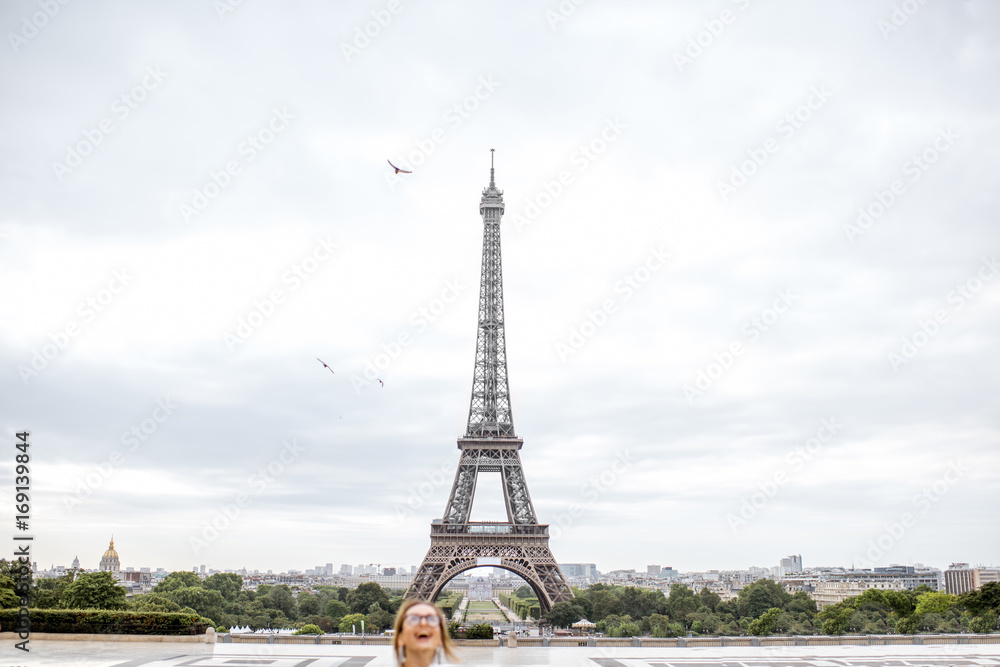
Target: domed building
[109,561]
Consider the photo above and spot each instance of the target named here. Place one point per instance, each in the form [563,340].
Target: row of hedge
[99,621]
[523,608]
[449,604]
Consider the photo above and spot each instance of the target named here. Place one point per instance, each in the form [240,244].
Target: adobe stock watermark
[265,307]
[928,497]
[928,329]
[453,116]
[797,459]
[417,496]
[363,35]
[225,7]
[563,11]
[88,311]
[32,24]
[786,126]
[913,167]
[628,285]
[712,30]
[131,439]
[900,16]
[121,108]
[247,152]
[259,481]
[420,319]
[592,490]
[581,158]
[752,331]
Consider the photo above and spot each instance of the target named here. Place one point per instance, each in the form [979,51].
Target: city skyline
[749,258]
[375,567]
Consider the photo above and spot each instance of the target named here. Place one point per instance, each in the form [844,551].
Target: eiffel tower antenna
[520,544]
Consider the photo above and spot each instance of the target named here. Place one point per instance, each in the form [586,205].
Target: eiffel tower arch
[520,544]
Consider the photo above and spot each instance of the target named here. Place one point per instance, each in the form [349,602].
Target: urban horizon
[375,568]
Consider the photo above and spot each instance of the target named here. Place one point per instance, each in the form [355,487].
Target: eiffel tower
[520,544]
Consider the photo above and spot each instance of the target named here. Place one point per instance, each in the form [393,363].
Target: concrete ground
[138,654]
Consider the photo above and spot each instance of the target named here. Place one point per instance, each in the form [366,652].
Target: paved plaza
[133,654]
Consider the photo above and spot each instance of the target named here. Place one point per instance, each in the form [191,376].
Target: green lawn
[480,611]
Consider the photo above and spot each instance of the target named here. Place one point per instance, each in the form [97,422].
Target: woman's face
[421,629]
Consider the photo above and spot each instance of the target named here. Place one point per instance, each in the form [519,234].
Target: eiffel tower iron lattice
[520,544]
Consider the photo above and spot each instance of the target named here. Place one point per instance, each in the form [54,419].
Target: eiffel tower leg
[527,556]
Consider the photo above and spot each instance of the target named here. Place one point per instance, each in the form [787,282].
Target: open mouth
[424,634]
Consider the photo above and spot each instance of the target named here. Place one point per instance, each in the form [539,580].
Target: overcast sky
[750,274]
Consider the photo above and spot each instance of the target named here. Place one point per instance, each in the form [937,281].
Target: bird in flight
[324,364]
[398,169]
[380,382]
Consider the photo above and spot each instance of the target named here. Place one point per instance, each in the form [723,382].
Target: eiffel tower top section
[492,198]
[489,410]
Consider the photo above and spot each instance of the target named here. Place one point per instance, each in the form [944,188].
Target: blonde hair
[397,627]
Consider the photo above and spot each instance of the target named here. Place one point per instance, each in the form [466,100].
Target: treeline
[877,611]
[448,603]
[764,608]
[761,608]
[523,603]
[220,600]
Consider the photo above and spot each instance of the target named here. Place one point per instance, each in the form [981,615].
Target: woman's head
[420,626]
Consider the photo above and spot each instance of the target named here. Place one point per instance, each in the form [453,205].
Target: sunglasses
[414,619]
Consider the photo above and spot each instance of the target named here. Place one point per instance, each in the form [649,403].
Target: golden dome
[111,553]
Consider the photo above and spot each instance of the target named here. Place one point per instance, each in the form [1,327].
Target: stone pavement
[138,654]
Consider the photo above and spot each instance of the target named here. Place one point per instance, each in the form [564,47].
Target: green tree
[47,593]
[352,621]
[176,580]
[308,629]
[229,584]
[627,629]
[709,599]
[935,603]
[681,602]
[563,614]
[362,597]
[662,626]
[8,598]
[908,625]
[481,631]
[761,595]
[608,624]
[94,590]
[308,604]
[152,602]
[984,599]
[335,610]
[10,590]
[900,603]
[378,619]
[524,592]
[802,603]
[764,624]
[835,619]
[604,603]
[208,603]
[630,599]
[280,598]
[985,623]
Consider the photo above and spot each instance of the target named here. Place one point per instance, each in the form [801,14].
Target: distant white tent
[584,623]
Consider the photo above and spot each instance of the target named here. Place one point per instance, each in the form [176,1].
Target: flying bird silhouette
[380,382]
[398,169]
[324,364]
